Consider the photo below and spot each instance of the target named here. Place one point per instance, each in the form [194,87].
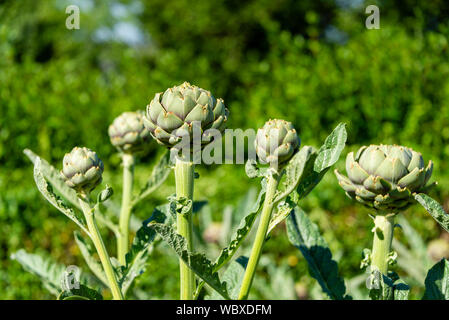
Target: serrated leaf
[383,287]
[53,176]
[233,277]
[87,252]
[281,213]
[435,210]
[241,232]
[49,271]
[331,149]
[47,191]
[157,177]
[437,282]
[140,250]
[319,163]
[198,262]
[294,171]
[401,290]
[239,236]
[380,286]
[305,236]
[81,293]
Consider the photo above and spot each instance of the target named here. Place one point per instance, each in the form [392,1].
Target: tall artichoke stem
[184,175]
[101,249]
[383,236]
[273,181]
[125,213]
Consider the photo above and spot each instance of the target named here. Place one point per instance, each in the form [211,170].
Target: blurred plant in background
[311,62]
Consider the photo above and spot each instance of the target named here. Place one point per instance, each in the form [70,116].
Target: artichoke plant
[173,113]
[276,142]
[385,177]
[82,169]
[128,133]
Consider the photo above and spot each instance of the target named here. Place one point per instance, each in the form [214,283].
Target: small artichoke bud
[105,194]
[82,169]
[174,113]
[385,177]
[128,133]
[276,142]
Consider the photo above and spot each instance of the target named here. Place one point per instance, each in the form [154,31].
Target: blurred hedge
[312,62]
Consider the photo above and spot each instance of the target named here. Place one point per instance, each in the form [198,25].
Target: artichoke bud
[128,133]
[173,114]
[276,142]
[385,177]
[82,169]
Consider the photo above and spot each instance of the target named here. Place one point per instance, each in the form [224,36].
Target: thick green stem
[383,236]
[101,249]
[184,175]
[261,234]
[125,213]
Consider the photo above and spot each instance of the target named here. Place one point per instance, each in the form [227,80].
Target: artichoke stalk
[129,135]
[170,117]
[384,178]
[276,143]
[82,170]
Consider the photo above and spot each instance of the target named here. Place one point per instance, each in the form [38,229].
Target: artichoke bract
[82,170]
[385,177]
[276,142]
[173,113]
[128,133]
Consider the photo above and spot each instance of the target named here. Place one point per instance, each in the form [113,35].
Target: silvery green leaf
[49,271]
[434,209]
[437,282]
[233,277]
[83,292]
[53,176]
[141,248]
[294,171]
[47,191]
[239,236]
[319,163]
[281,213]
[158,176]
[305,236]
[198,262]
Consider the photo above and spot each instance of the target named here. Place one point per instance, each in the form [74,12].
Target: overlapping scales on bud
[276,142]
[128,133]
[82,169]
[385,177]
[174,113]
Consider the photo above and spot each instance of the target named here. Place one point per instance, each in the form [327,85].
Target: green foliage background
[311,62]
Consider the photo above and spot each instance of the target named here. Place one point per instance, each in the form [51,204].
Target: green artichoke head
[82,170]
[128,133]
[276,142]
[174,112]
[385,177]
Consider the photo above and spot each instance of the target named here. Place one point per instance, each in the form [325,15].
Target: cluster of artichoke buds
[128,133]
[385,177]
[276,142]
[82,170]
[174,114]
